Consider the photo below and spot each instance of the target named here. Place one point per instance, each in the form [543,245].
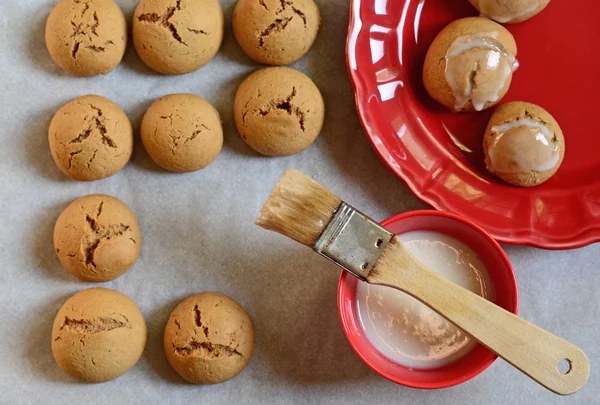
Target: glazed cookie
[97,238]
[86,37]
[98,335]
[469,64]
[90,138]
[523,144]
[209,338]
[182,132]
[276,32]
[279,111]
[177,36]
[509,11]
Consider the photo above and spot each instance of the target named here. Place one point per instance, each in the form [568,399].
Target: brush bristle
[299,208]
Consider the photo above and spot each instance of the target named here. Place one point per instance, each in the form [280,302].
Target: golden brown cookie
[90,138]
[509,11]
[98,335]
[182,132]
[209,338]
[177,36]
[276,32]
[97,238]
[469,64]
[279,111]
[86,37]
[523,144]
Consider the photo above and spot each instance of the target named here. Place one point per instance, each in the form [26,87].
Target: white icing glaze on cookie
[523,146]
[461,77]
[501,10]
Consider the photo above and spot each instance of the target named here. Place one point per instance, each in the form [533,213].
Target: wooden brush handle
[527,347]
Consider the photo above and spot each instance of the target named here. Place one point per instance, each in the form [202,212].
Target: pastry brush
[307,212]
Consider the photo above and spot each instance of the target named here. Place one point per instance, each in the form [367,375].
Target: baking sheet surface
[199,236]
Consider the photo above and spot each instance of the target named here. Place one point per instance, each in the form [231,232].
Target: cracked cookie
[90,138]
[276,32]
[177,36]
[279,111]
[98,335]
[209,338]
[182,132]
[469,64]
[97,238]
[509,11]
[86,37]
[523,144]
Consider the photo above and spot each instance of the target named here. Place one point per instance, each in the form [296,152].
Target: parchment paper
[199,236]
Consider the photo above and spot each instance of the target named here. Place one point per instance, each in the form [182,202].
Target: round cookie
[279,111]
[469,64]
[209,338]
[182,132]
[98,335]
[86,38]
[509,11]
[90,138]
[97,238]
[523,144]
[276,32]
[177,36]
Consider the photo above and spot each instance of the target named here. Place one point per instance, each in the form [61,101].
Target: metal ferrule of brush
[353,241]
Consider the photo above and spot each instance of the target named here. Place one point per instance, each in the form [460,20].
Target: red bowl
[439,154]
[505,293]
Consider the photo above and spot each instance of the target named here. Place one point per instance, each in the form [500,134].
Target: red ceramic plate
[438,154]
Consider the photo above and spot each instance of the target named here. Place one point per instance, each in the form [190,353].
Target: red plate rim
[576,239]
